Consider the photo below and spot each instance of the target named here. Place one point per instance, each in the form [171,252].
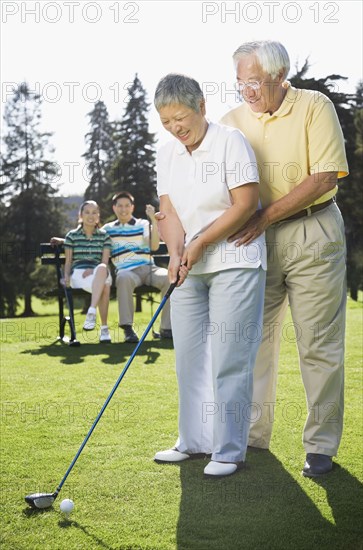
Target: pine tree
[352,205]
[31,211]
[134,169]
[346,106]
[99,156]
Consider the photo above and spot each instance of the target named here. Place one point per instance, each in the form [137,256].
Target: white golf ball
[66,505]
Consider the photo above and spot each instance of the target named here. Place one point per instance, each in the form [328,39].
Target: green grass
[51,394]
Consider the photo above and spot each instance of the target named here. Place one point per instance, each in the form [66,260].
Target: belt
[308,211]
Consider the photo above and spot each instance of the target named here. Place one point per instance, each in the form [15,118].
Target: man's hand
[255,226]
[150,212]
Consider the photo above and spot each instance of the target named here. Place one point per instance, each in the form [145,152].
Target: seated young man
[132,239]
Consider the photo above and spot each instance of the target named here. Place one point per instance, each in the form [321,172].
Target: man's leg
[126,281]
[158,277]
[317,294]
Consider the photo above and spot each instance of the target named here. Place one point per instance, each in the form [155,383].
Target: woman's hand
[56,241]
[192,253]
[87,272]
[177,271]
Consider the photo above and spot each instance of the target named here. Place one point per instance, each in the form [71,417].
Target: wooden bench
[54,255]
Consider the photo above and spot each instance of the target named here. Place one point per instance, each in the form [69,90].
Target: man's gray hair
[271,55]
[179,89]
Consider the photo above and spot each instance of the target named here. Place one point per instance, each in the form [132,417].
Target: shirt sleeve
[241,165]
[68,241]
[326,140]
[107,242]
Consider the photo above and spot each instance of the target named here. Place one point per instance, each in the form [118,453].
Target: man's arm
[308,191]
[154,235]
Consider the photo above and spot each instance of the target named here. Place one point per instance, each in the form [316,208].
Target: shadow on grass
[116,354]
[344,495]
[66,523]
[69,523]
[262,506]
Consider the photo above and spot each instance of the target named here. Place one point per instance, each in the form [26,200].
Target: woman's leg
[235,310]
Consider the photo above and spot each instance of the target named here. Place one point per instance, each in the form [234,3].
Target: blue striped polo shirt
[130,243]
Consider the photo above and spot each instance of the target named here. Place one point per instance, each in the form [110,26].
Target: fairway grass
[51,394]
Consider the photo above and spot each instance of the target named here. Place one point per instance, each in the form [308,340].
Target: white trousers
[217,326]
[306,267]
[78,281]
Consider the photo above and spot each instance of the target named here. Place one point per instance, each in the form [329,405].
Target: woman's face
[188,126]
[90,215]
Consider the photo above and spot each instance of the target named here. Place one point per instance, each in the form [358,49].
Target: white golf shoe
[218,469]
[171,455]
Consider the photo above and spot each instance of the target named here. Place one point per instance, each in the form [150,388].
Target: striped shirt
[130,243]
[87,251]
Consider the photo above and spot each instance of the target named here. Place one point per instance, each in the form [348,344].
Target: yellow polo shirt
[303,137]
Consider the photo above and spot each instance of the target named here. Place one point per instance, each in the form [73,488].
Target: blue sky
[75,52]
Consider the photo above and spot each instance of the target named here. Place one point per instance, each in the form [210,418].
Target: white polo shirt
[198,186]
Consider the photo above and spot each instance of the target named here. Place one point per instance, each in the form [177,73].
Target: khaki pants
[306,267]
[128,279]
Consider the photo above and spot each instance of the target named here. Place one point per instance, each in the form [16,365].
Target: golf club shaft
[162,303]
[71,313]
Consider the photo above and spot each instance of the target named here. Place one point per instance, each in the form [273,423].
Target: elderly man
[300,153]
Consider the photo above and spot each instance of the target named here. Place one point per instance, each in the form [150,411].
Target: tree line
[120,154]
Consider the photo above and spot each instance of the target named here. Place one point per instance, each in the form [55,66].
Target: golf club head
[40,500]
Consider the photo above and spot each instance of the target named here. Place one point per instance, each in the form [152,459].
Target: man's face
[188,126]
[267,96]
[123,209]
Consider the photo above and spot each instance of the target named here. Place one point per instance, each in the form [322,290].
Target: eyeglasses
[254,85]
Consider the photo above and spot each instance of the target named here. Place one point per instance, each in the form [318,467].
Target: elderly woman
[208,186]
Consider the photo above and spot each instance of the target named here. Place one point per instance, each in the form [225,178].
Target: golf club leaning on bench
[73,340]
[45,500]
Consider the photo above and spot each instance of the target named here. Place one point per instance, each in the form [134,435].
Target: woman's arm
[173,234]
[245,202]
[106,256]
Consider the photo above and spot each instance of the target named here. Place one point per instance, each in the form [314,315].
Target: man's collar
[291,96]
[130,222]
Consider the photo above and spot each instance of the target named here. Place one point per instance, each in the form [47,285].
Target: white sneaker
[105,337]
[171,455]
[215,468]
[90,321]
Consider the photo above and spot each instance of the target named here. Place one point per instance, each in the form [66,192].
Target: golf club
[73,340]
[151,298]
[45,500]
